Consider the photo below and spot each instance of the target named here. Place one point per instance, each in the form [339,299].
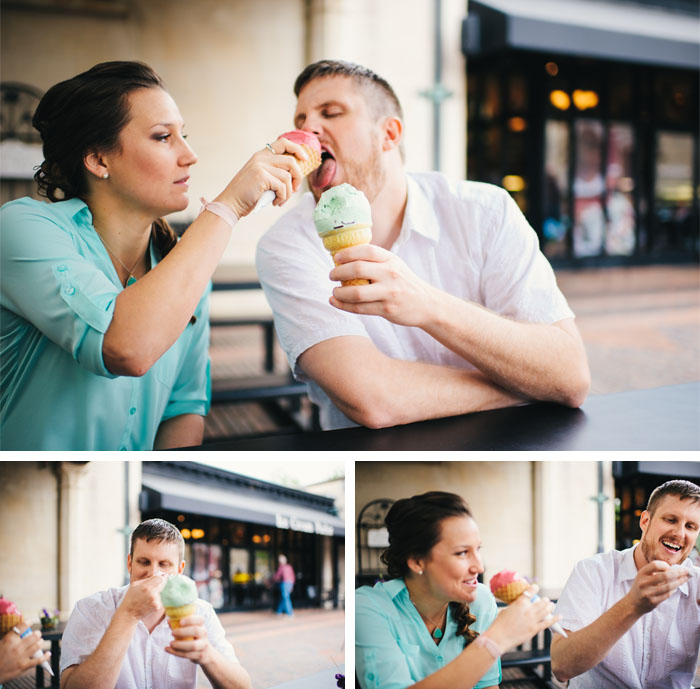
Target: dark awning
[167,493]
[586,28]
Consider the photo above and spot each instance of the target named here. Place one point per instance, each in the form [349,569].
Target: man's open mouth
[671,546]
[322,177]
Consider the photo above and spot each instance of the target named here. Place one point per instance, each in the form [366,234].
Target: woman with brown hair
[104,330]
[433,625]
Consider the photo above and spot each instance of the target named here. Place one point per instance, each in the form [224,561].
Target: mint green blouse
[58,288]
[393,649]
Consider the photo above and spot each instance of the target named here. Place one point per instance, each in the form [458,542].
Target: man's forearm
[538,361]
[375,390]
[584,649]
[101,669]
[224,673]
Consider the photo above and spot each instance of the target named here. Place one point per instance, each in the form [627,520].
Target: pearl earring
[420,572]
[105,175]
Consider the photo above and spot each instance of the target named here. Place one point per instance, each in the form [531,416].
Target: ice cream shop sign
[306,525]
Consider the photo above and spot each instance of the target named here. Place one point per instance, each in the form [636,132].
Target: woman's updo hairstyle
[87,113]
[415,526]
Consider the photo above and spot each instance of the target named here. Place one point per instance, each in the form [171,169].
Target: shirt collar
[419,215]
[395,587]
[628,568]
[77,208]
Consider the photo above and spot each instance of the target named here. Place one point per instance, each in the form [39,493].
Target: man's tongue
[324,175]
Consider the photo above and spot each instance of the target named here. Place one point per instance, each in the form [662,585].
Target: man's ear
[644,520]
[181,568]
[95,164]
[128,563]
[392,131]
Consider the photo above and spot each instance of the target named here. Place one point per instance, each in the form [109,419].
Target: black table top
[666,418]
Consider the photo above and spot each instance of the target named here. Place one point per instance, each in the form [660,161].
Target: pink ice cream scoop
[312,147]
[508,585]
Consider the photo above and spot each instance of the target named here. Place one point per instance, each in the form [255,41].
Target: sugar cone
[344,237]
[510,592]
[312,163]
[177,614]
[9,620]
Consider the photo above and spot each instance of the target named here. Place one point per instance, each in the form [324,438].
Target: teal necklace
[437,632]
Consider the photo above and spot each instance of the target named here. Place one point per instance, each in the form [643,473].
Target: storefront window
[619,236]
[557,215]
[674,191]
[242,578]
[589,189]
[490,106]
[207,572]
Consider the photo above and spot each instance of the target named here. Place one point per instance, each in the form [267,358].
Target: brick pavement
[276,649]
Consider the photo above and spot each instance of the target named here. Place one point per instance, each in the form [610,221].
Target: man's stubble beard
[368,176]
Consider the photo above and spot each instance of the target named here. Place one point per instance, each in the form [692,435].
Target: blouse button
[370,676]
[69,290]
[440,658]
[61,269]
[132,411]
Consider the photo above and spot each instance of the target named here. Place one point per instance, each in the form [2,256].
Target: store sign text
[295,524]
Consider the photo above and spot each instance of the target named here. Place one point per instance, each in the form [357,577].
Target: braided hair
[414,526]
[87,113]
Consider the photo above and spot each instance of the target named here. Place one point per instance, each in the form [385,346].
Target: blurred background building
[72,523]
[536,517]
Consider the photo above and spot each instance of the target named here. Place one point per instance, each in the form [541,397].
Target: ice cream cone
[343,218]
[344,237]
[312,163]
[510,592]
[176,614]
[7,622]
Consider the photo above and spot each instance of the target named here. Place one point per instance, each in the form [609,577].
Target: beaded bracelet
[490,645]
[220,209]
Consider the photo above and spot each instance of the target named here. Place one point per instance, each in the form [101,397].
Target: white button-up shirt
[660,651]
[468,239]
[146,664]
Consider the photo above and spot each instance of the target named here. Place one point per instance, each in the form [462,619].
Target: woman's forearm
[153,312]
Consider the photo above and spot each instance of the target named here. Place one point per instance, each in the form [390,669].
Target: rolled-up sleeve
[517,280]
[580,602]
[45,280]
[380,660]
[84,631]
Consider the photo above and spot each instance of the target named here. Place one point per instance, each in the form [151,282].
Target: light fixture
[560,99]
[552,68]
[197,533]
[585,100]
[517,124]
[181,517]
[185,533]
[513,183]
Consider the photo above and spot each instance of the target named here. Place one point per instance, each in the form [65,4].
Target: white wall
[65,538]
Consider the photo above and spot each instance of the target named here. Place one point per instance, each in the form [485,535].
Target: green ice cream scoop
[179,590]
[341,206]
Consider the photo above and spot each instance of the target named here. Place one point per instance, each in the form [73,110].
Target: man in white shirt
[633,617]
[120,638]
[463,312]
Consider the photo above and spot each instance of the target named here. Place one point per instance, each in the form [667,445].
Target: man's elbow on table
[575,390]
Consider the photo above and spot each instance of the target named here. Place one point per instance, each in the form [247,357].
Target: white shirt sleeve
[217,635]
[581,601]
[293,268]
[84,631]
[516,279]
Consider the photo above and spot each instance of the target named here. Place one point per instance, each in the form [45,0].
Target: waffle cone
[176,614]
[312,163]
[8,621]
[510,592]
[344,237]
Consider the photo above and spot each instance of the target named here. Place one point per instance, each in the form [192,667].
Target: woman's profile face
[454,562]
[149,171]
